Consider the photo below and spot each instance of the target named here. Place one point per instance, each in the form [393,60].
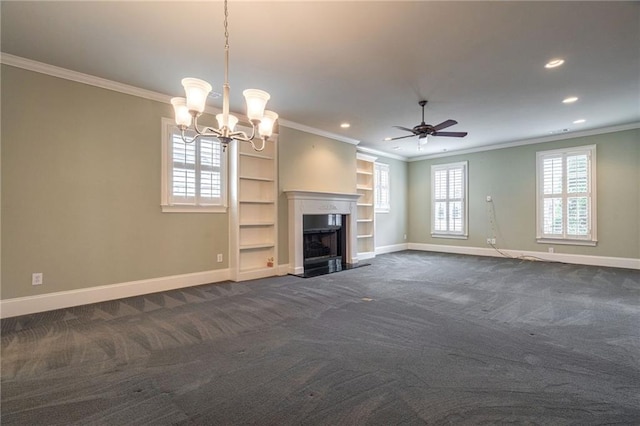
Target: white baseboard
[392,248]
[578,259]
[67,299]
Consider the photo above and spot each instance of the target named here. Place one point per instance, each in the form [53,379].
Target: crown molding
[534,141]
[42,68]
[318,132]
[78,77]
[381,153]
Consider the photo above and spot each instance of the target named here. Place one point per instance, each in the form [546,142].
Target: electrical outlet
[493,241]
[488,241]
[219,257]
[551,250]
[489,199]
[37,278]
[405,236]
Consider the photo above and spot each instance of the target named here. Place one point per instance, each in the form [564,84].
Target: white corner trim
[314,131]
[66,299]
[283,269]
[577,259]
[392,248]
[545,139]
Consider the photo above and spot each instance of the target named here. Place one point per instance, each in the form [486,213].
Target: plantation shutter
[382,187]
[565,194]
[449,199]
[196,177]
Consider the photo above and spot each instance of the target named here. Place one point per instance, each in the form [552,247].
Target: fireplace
[326,242]
[323,241]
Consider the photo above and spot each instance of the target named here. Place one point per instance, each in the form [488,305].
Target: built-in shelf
[257,201]
[366,215]
[257,224]
[256,155]
[256,246]
[253,211]
[258,178]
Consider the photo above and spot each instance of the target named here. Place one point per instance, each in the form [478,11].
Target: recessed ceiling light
[569,100]
[554,63]
[345,125]
[579,121]
[387,138]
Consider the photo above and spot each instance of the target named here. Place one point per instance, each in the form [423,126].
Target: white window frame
[193,205]
[564,238]
[464,167]
[382,191]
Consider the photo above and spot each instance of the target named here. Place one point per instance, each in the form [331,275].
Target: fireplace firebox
[323,241]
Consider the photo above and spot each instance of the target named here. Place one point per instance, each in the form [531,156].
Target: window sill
[193,209]
[383,211]
[450,236]
[567,242]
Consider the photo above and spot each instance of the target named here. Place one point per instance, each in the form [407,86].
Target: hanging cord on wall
[492,225]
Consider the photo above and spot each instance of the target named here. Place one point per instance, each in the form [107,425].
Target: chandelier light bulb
[183,118]
[197,91]
[232,120]
[256,102]
[266,124]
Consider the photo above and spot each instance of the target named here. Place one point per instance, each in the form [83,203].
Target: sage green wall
[509,174]
[81,191]
[311,163]
[391,227]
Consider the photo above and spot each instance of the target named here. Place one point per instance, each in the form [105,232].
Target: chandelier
[188,110]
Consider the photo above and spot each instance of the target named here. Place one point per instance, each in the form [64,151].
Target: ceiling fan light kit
[188,110]
[423,130]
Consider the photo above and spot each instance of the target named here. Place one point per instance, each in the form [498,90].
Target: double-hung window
[194,174]
[566,195]
[382,188]
[449,209]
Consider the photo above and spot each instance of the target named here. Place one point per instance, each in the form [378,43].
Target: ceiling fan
[423,130]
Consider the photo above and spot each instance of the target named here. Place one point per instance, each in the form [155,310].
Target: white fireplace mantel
[314,202]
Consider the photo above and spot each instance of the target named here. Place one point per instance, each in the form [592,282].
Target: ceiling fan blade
[444,125]
[404,128]
[401,137]
[451,134]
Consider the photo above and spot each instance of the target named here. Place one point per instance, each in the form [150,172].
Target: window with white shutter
[566,196]
[449,200]
[194,174]
[382,188]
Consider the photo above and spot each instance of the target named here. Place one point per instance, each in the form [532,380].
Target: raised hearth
[303,203]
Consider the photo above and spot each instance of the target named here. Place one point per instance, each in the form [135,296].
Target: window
[566,195]
[449,200]
[382,189]
[194,174]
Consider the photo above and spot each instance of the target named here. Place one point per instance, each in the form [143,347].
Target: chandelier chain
[226,25]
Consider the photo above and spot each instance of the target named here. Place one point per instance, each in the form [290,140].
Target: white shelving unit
[253,211]
[366,206]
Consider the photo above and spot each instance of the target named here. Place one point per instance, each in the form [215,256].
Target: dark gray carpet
[414,338]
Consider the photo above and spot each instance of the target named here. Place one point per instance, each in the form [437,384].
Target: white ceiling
[367,63]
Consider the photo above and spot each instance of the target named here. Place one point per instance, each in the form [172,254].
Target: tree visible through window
[566,206]
[449,199]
